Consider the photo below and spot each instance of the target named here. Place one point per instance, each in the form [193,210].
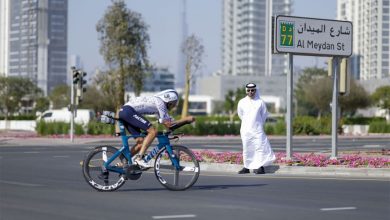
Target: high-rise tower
[4,27]
[371,53]
[246,37]
[180,75]
[38,41]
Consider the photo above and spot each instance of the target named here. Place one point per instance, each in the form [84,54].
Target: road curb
[302,170]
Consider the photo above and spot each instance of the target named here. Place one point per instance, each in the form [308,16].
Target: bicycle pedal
[145,168]
[103,176]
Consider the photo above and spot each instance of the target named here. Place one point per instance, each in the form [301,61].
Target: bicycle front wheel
[97,175]
[174,178]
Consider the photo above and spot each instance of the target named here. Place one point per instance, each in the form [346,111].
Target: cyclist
[132,113]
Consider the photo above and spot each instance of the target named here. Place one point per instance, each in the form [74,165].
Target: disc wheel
[171,177]
[97,176]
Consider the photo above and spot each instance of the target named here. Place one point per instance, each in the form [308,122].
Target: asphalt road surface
[300,144]
[46,183]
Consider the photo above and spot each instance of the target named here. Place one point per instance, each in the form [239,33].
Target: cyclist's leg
[147,141]
[134,123]
[124,115]
[152,132]
[137,146]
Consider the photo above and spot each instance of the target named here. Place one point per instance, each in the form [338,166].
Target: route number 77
[286,34]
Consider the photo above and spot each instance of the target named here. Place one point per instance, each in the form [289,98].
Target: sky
[204,19]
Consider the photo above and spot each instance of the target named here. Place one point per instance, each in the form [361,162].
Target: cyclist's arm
[185,120]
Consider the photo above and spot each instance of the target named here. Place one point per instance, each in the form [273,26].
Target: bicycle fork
[171,155]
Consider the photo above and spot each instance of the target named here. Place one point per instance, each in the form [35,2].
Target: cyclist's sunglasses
[251,90]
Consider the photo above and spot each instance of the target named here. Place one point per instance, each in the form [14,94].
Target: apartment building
[37,41]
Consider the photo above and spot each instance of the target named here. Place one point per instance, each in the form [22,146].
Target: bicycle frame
[163,141]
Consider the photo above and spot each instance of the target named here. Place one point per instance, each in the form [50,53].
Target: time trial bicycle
[107,168]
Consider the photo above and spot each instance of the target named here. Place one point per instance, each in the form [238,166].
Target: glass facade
[370,20]
[246,37]
[38,41]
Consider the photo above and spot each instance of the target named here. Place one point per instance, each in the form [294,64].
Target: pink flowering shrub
[300,159]
[219,157]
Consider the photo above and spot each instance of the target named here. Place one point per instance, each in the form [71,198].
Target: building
[246,37]
[200,104]
[370,18]
[180,73]
[4,27]
[37,36]
[160,78]
[272,88]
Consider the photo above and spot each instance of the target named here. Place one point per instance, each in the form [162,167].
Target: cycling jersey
[150,105]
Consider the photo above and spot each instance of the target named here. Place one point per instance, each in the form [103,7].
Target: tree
[60,96]
[357,98]
[314,90]
[193,52]
[99,96]
[12,90]
[41,104]
[231,101]
[307,77]
[318,94]
[381,98]
[124,42]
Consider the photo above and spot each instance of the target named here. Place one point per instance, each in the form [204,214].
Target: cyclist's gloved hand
[190,119]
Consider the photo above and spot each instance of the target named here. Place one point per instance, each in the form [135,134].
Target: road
[46,183]
[300,143]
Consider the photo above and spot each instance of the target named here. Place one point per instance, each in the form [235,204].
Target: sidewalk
[15,138]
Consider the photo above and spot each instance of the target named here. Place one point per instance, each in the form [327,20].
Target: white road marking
[31,152]
[19,183]
[371,146]
[337,208]
[173,216]
[65,156]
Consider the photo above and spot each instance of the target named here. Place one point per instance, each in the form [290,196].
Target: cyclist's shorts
[133,121]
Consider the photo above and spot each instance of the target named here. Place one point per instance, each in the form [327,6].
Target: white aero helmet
[168,96]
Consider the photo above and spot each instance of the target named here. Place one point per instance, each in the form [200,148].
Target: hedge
[19,117]
[302,125]
[52,128]
[379,127]
[362,120]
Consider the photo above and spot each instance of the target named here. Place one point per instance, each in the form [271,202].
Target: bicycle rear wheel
[97,176]
[177,179]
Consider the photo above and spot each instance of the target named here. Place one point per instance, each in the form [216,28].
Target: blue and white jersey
[150,105]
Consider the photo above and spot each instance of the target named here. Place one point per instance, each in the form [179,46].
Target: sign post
[335,106]
[312,37]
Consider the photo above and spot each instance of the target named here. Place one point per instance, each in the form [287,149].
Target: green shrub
[306,125]
[52,128]
[210,127]
[362,120]
[280,128]
[269,129]
[19,117]
[379,127]
[325,126]
[96,128]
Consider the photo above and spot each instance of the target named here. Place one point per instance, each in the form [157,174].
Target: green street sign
[286,34]
[312,36]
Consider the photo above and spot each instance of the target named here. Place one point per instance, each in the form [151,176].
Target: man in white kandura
[257,152]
